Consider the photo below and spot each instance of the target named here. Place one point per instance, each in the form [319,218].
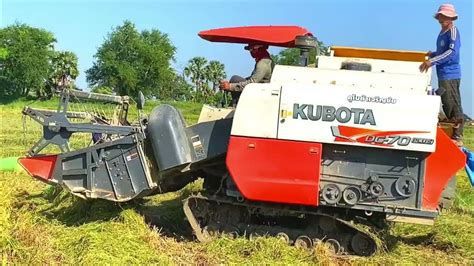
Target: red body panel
[275,170]
[40,167]
[441,165]
[283,36]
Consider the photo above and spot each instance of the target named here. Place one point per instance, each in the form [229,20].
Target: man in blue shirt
[448,69]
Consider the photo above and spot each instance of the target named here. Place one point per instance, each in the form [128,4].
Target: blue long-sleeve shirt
[446,57]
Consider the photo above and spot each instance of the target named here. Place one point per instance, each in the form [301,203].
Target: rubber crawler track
[211,216]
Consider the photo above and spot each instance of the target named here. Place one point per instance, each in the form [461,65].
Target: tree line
[29,62]
[128,61]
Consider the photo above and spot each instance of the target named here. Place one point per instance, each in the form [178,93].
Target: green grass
[40,224]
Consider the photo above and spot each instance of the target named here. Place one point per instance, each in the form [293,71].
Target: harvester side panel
[275,170]
[441,165]
[379,119]
[257,112]
[115,170]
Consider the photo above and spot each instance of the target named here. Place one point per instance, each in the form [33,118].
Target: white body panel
[268,111]
[404,113]
[330,105]
[377,65]
[399,83]
[210,113]
[257,112]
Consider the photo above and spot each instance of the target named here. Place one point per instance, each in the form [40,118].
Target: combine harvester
[305,158]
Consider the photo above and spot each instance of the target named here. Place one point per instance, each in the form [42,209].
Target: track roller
[361,245]
[303,242]
[333,245]
[283,236]
[214,216]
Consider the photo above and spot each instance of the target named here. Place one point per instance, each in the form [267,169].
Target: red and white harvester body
[353,138]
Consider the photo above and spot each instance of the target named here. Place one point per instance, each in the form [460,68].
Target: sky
[82,26]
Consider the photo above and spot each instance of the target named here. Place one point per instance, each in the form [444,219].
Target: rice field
[40,224]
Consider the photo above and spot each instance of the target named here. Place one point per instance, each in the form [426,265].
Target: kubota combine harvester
[354,138]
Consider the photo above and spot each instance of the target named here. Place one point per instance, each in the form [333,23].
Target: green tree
[63,72]
[25,54]
[3,54]
[3,79]
[201,73]
[102,90]
[291,56]
[196,72]
[130,61]
[180,90]
[215,72]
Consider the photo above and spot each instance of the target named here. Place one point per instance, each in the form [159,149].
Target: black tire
[448,195]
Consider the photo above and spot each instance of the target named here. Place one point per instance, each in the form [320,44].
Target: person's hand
[429,53]
[425,66]
[224,85]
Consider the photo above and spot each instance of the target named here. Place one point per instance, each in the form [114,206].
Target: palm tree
[195,70]
[215,72]
[63,71]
